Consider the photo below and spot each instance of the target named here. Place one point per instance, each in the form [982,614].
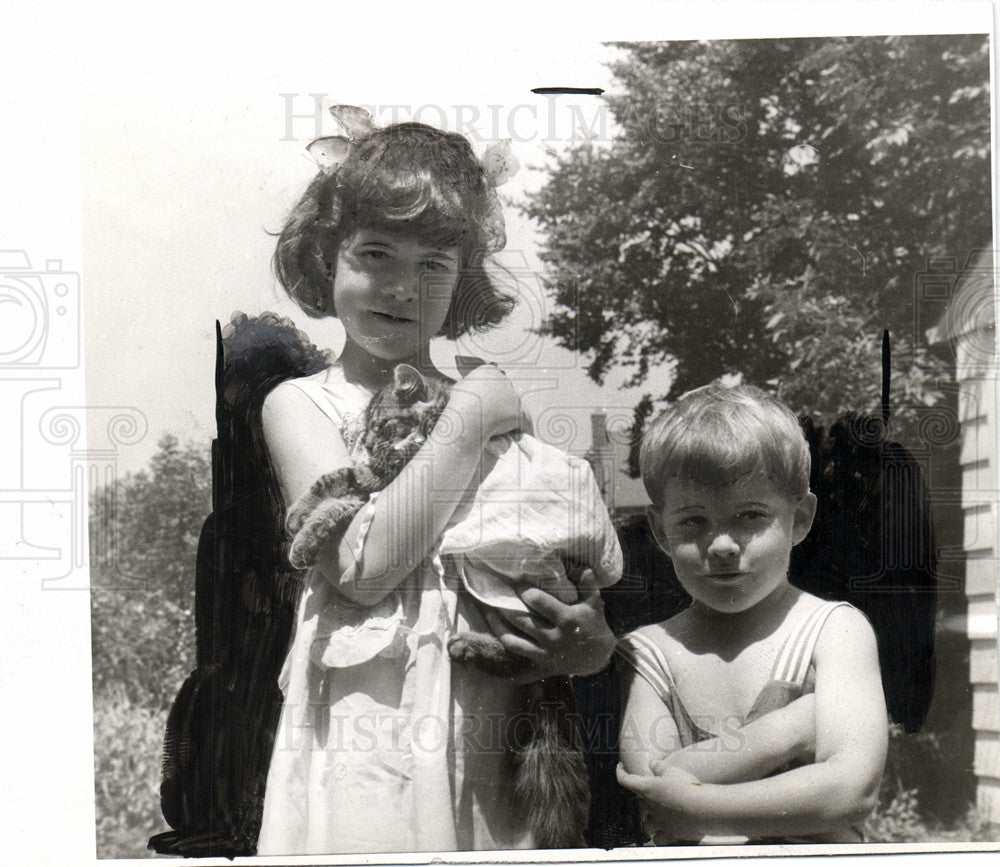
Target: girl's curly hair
[407,177]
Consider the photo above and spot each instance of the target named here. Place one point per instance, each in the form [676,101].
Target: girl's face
[730,546]
[392,292]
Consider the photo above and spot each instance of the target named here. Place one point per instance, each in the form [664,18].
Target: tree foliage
[144,538]
[768,207]
[144,533]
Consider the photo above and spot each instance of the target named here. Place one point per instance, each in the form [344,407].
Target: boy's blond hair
[717,434]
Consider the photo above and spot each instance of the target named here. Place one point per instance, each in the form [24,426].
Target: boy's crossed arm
[841,785]
[650,742]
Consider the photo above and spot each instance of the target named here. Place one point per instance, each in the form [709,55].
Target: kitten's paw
[466,648]
[486,652]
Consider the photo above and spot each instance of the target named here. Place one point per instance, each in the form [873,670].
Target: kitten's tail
[551,781]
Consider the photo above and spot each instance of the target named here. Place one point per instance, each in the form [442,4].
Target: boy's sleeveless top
[792,676]
[382,746]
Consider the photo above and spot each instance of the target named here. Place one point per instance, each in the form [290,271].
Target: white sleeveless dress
[392,749]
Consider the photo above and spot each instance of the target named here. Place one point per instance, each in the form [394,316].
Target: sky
[180,188]
[145,155]
[183,177]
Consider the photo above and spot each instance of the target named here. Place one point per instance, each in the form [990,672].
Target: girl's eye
[375,255]
[691,522]
[434,265]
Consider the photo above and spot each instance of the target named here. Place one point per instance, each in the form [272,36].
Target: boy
[757,712]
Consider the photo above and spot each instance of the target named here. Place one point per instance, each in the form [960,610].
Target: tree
[768,207]
[143,580]
[144,533]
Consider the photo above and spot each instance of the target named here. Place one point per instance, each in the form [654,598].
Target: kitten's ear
[409,384]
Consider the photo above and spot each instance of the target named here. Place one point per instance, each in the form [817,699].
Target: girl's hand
[487,396]
[558,638]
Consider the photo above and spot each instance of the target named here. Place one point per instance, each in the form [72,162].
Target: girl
[758,711]
[393,748]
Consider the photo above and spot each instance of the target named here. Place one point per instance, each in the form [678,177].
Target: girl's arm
[842,785]
[414,509]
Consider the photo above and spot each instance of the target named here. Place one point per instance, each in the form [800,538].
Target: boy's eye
[691,522]
[375,255]
[752,515]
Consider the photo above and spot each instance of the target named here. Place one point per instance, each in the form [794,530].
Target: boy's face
[730,545]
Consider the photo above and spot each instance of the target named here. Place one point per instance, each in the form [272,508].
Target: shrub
[144,533]
[903,814]
[127,744]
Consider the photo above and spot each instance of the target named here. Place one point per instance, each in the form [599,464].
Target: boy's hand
[667,801]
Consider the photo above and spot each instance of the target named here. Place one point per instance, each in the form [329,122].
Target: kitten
[398,420]
[551,782]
